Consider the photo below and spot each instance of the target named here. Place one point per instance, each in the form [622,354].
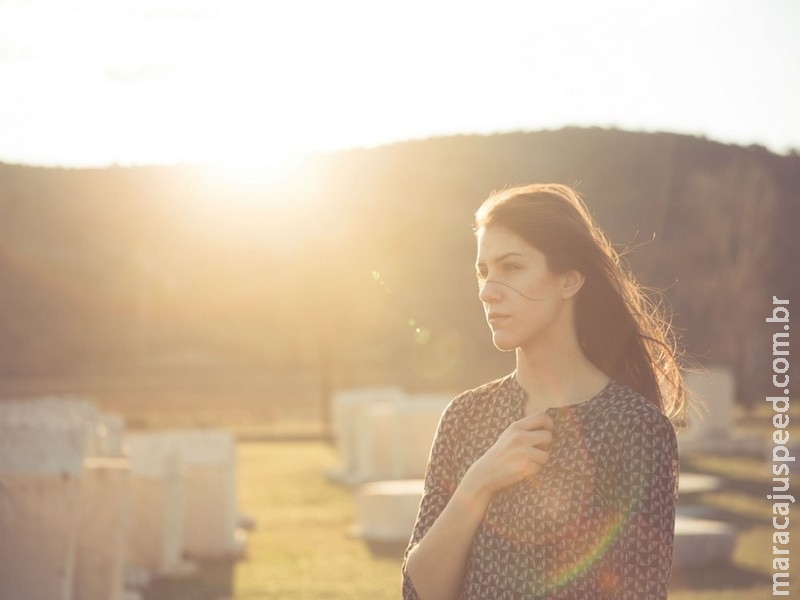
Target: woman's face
[521,296]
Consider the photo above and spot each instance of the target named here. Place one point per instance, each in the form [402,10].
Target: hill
[358,265]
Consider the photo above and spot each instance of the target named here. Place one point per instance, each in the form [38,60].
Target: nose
[489,291]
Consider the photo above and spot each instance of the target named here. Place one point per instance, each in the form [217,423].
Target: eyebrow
[502,257]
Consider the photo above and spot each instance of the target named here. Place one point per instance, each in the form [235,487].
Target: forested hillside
[358,265]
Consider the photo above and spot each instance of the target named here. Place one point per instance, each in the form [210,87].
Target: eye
[510,266]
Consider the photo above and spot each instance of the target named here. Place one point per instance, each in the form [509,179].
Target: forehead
[495,243]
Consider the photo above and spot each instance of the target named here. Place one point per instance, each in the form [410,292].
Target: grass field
[302,548]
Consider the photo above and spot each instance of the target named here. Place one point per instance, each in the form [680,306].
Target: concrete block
[386,512]
[700,543]
[158,504]
[211,515]
[42,446]
[103,529]
[415,425]
[203,497]
[713,394]
[349,422]
[385,434]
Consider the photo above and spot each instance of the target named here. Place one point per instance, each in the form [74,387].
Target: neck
[557,374]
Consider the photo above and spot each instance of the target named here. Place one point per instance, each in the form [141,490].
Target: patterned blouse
[598,521]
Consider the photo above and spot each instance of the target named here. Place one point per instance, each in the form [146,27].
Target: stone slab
[349,421]
[700,543]
[386,512]
[157,501]
[103,529]
[206,462]
[38,523]
[42,447]
[712,395]
[386,434]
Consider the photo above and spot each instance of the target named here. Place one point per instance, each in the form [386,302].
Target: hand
[519,452]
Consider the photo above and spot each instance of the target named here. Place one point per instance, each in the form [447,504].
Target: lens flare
[606,531]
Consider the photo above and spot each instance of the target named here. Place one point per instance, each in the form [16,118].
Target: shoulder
[477,400]
[483,394]
[641,450]
[629,416]
[629,406]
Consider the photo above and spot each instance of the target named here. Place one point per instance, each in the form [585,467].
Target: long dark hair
[622,327]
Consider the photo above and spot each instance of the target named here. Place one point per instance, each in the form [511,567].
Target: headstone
[414,427]
[210,518]
[104,511]
[42,447]
[157,496]
[349,423]
[711,425]
[201,511]
[384,434]
[386,512]
[697,483]
[712,393]
[700,543]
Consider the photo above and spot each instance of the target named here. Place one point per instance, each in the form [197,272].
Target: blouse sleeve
[643,501]
[440,483]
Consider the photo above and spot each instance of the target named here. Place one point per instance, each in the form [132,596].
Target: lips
[494,317]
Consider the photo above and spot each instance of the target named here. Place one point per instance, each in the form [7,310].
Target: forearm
[436,565]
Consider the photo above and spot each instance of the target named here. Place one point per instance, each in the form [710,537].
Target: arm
[436,560]
[435,565]
[644,497]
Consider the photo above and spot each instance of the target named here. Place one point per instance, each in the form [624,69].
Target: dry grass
[302,548]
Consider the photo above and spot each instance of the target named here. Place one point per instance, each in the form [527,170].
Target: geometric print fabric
[596,523]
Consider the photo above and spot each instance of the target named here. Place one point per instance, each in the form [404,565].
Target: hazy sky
[95,82]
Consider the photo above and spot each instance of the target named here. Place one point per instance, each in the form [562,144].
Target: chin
[504,344]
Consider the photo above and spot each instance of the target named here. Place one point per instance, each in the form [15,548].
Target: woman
[559,480]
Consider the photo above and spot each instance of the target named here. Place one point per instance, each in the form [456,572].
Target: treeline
[358,265]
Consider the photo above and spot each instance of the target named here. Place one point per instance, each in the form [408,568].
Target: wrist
[473,491]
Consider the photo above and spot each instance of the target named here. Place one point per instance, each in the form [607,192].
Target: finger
[541,438]
[535,421]
[538,456]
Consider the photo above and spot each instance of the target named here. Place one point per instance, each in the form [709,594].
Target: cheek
[541,286]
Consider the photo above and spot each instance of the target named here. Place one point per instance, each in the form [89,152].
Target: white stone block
[157,501]
[696,483]
[374,437]
[394,439]
[383,433]
[107,438]
[104,513]
[700,543]
[386,512]
[211,515]
[48,435]
[42,445]
[206,503]
[712,396]
[415,427]
[38,522]
[348,415]
[103,529]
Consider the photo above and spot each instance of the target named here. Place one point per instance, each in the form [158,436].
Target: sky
[248,82]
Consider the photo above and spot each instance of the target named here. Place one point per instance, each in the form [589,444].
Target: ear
[571,283]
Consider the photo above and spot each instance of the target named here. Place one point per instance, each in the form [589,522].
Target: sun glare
[245,84]
[263,180]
